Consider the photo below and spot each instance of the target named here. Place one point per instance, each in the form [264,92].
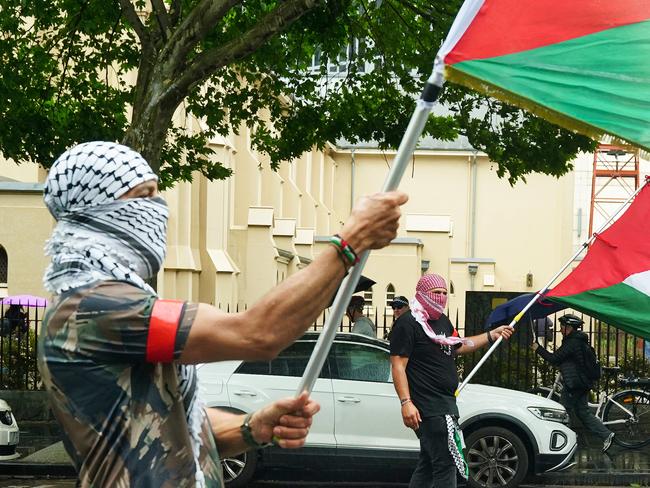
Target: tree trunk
[150,122]
[166,77]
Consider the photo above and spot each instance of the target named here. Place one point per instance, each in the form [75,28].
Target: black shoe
[608,442]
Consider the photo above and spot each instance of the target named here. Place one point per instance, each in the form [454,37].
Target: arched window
[4,267]
[367,297]
[451,287]
[390,294]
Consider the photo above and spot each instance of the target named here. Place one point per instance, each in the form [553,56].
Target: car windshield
[360,362]
[290,362]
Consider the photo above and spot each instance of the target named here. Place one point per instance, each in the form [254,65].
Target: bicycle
[625,412]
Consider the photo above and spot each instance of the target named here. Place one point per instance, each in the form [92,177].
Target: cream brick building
[231,241]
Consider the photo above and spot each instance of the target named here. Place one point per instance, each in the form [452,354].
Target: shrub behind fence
[18,344]
[513,365]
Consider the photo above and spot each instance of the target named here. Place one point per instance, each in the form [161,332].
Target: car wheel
[496,457]
[238,471]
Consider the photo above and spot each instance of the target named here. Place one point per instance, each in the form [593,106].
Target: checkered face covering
[97,236]
[433,303]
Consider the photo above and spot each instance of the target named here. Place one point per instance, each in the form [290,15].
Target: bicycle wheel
[627,414]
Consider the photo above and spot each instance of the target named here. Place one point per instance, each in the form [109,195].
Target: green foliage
[53,91]
[18,361]
[618,348]
[638,366]
[67,71]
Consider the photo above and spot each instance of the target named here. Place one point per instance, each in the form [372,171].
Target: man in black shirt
[423,349]
[400,305]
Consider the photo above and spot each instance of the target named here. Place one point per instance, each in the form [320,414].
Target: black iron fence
[18,342]
[513,365]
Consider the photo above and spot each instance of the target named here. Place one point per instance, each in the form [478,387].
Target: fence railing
[513,365]
[19,327]
[516,366]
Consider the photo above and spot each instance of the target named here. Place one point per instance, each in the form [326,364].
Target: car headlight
[5,417]
[551,414]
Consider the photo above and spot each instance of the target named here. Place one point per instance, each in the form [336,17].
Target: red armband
[163,324]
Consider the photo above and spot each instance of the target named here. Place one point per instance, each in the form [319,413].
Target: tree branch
[133,19]
[406,24]
[162,17]
[285,14]
[70,37]
[195,27]
[418,11]
[175,10]
[111,38]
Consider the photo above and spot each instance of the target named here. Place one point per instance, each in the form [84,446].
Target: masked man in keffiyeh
[423,349]
[118,362]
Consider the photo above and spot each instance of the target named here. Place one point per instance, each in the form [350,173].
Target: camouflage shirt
[126,422]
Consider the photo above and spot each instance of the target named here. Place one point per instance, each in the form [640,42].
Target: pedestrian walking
[423,349]
[571,358]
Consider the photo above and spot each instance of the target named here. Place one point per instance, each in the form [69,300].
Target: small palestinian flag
[583,64]
[612,282]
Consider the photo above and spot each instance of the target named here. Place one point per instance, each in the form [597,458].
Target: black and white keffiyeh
[456,444]
[98,236]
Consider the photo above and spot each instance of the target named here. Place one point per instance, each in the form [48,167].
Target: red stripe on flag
[509,26]
[622,250]
[163,325]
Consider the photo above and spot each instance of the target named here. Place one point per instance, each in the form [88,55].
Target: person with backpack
[579,367]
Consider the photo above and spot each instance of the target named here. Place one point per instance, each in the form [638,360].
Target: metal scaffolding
[615,177]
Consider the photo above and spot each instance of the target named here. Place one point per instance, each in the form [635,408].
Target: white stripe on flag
[464,18]
[639,281]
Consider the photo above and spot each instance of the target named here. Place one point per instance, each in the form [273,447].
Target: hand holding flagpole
[406,148]
[541,292]
[413,132]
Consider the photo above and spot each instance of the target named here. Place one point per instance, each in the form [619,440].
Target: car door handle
[348,399]
[244,393]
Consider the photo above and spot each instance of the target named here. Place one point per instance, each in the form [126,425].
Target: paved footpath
[49,483]
[619,467]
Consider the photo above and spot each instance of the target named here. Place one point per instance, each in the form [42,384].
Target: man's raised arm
[284,313]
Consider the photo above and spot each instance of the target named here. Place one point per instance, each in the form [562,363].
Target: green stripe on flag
[620,305]
[601,79]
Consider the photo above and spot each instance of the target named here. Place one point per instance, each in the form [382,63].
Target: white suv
[9,433]
[508,434]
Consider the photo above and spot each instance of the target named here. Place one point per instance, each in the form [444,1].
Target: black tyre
[496,458]
[632,429]
[543,391]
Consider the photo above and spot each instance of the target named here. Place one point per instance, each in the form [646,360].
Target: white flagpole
[517,317]
[413,132]
[406,148]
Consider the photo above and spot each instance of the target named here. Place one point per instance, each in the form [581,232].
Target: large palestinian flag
[584,64]
[612,282]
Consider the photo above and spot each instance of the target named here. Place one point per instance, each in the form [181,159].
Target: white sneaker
[608,442]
